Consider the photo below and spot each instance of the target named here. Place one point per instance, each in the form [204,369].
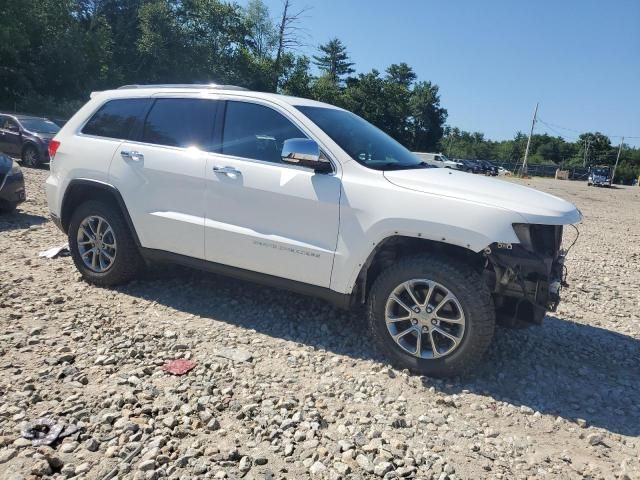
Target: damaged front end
[526,278]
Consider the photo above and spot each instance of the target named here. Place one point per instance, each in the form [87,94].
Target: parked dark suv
[26,137]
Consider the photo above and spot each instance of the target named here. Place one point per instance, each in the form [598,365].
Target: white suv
[302,195]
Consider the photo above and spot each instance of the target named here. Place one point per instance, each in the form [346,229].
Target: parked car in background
[504,171]
[488,168]
[439,160]
[600,176]
[470,166]
[304,195]
[26,137]
[12,190]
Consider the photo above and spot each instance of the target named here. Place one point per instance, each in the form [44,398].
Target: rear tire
[31,157]
[120,262]
[473,326]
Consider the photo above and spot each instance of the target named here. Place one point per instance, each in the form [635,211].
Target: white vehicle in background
[439,160]
[305,196]
[504,171]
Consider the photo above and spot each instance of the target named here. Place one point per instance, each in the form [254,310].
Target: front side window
[118,118]
[180,122]
[8,124]
[362,141]
[256,132]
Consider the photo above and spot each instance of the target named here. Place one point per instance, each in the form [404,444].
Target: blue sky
[493,60]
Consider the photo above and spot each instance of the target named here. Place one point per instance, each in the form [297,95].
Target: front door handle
[132,155]
[228,171]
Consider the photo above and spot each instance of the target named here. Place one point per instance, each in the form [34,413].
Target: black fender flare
[82,189]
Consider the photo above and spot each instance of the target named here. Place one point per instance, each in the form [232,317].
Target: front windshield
[601,171]
[39,125]
[362,141]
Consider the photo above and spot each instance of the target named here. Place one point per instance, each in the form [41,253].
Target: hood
[534,206]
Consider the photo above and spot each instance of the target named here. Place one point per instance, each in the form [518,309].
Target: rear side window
[180,122]
[256,132]
[118,118]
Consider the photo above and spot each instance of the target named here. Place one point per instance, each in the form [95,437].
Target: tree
[334,60]
[263,37]
[288,36]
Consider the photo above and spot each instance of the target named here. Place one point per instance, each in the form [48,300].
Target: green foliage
[334,60]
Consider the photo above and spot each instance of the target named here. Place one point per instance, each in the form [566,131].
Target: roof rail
[186,85]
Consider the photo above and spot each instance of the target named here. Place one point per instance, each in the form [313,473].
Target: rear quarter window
[119,119]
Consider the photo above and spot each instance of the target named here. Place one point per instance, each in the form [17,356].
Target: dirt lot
[288,387]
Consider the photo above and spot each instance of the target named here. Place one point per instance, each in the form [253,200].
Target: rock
[68,470]
[40,468]
[595,438]
[245,464]
[92,445]
[7,454]
[170,421]
[82,468]
[147,465]
[364,463]
[382,468]
[342,468]
[318,468]
[235,354]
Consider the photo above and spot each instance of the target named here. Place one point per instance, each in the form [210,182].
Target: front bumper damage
[526,279]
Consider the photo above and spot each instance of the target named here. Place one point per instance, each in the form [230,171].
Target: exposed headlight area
[543,240]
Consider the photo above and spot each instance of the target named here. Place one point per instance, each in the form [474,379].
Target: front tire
[431,315]
[31,157]
[101,244]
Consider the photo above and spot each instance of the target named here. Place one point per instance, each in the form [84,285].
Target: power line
[548,124]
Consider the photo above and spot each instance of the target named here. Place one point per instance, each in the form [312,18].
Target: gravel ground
[288,387]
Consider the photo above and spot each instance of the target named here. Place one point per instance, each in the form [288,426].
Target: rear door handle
[228,171]
[132,155]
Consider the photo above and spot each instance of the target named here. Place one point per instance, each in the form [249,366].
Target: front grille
[546,239]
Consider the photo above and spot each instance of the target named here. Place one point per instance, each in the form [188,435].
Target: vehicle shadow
[563,368]
[19,220]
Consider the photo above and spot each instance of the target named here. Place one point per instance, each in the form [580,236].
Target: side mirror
[305,153]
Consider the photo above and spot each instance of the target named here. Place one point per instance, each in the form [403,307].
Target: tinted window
[180,122]
[256,132]
[118,118]
[8,124]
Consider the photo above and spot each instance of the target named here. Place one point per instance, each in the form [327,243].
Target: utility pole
[617,159]
[586,150]
[526,152]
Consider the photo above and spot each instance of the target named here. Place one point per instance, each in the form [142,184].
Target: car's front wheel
[101,244]
[31,157]
[431,315]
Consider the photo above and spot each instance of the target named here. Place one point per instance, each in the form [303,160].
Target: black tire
[31,157]
[472,294]
[127,262]
[8,207]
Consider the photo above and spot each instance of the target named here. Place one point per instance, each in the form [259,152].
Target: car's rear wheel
[101,244]
[31,157]
[431,315]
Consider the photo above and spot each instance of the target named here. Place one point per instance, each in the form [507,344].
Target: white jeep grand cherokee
[302,195]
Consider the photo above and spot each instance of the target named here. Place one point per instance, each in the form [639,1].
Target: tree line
[53,53]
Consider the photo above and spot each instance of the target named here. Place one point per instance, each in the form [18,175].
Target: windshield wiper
[400,166]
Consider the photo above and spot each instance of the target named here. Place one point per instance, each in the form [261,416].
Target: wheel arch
[80,190]
[394,247]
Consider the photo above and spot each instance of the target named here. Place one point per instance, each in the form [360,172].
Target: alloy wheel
[96,243]
[30,157]
[425,319]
